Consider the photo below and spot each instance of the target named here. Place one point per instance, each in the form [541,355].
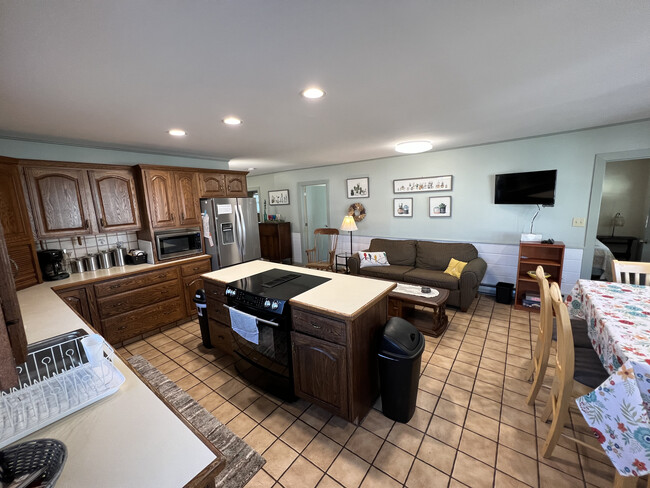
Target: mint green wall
[61,152]
[474,218]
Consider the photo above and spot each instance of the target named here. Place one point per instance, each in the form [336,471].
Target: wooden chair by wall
[631,272]
[577,372]
[325,239]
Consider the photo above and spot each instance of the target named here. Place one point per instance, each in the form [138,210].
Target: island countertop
[343,294]
[129,439]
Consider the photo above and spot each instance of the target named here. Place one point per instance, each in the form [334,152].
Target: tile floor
[472,426]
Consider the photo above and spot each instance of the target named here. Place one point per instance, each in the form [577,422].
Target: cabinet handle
[182,215]
[122,327]
[13,263]
[113,287]
[101,221]
[172,216]
[86,224]
[315,325]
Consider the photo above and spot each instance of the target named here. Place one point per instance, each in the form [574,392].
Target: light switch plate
[578,221]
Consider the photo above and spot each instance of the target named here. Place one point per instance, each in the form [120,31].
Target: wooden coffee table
[404,305]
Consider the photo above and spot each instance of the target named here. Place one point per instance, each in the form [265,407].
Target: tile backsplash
[90,244]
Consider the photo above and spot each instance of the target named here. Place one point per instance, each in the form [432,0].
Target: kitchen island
[335,330]
[129,439]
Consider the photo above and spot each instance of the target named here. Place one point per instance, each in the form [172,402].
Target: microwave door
[226,231]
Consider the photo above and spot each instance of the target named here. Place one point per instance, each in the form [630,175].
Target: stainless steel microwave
[178,243]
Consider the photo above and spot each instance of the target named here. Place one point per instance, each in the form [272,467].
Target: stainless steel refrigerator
[230,230]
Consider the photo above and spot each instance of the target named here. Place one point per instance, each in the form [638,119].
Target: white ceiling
[120,73]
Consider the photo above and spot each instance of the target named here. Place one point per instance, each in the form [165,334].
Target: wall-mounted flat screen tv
[534,187]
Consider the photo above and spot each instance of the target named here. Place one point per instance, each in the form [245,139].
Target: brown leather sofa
[424,263]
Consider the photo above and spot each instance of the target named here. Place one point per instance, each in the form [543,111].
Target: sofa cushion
[368,259]
[398,252]
[455,268]
[429,277]
[392,272]
[436,255]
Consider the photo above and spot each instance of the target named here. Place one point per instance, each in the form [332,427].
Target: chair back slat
[565,357]
[631,272]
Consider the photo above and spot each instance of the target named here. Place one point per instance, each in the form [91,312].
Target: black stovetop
[278,284]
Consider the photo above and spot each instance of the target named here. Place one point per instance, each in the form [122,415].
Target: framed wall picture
[430,183]
[279,197]
[402,207]
[358,188]
[439,206]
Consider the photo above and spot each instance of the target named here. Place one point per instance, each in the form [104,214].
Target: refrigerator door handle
[243,225]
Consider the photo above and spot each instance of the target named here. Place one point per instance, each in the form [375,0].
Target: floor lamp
[349,225]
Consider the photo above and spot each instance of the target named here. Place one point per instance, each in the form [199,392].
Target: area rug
[242,462]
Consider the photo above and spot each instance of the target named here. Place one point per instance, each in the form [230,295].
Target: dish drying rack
[55,381]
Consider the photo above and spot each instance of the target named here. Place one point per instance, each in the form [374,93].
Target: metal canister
[105,260]
[90,262]
[77,266]
[118,256]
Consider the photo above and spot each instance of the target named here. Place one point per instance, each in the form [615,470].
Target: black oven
[178,243]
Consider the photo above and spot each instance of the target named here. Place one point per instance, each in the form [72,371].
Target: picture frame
[278,197]
[439,207]
[358,188]
[402,207]
[428,183]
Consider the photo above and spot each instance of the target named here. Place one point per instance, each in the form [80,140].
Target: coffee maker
[51,261]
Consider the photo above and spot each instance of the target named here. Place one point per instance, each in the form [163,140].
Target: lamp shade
[348,223]
[618,220]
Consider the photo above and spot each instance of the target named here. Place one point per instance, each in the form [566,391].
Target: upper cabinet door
[187,198]
[13,212]
[160,196]
[213,185]
[236,186]
[60,201]
[116,202]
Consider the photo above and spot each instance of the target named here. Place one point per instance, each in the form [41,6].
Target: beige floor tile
[472,472]
[261,480]
[260,409]
[460,381]
[230,389]
[338,429]
[187,382]
[296,408]
[450,411]
[244,398]
[464,368]
[437,454]
[211,401]
[405,437]
[431,385]
[478,447]
[376,479]
[552,478]
[456,395]
[377,423]
[364,444]
[278,458]
[436,372]
[518,440]
[322,451]
[485,406]
[424,476]
[481,424]
[426,401]
[490,378]
[217,380]
[327,482]
[488,390]
[241,425]
[517,465]
[315,416]
[503,480]
[394,461]
[445,431]
[177,374]
[299,435]
[420,419]
[515,400]
[195,364]
[260,439]
[199,391]
[225,412]
[517,418]
[468,357]
[566,460]
[348,469]
[597,473]
[278,421]
[301,474]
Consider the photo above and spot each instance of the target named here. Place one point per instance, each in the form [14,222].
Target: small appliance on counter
[136,256]
[51,262]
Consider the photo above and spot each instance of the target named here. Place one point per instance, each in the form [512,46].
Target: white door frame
[301,192]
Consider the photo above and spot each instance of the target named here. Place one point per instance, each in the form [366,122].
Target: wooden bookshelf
[531,255]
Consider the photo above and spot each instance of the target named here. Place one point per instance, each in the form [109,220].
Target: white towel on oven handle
[245,325]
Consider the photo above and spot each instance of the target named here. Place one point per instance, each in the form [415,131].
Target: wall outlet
[578,221]
[101,241]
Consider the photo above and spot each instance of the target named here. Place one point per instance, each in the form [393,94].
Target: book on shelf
[532,296]
[531,303]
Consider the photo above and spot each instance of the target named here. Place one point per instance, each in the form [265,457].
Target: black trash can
[202,312]
[504,292]
[400,354]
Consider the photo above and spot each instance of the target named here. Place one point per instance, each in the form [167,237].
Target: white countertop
[130,439]
[343,295]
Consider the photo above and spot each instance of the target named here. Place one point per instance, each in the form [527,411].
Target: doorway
[315,212]
[255,194]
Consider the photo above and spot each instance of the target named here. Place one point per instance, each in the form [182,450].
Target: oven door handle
[268,322]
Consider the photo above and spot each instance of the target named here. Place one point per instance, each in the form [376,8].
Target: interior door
[645,250]
[315,215]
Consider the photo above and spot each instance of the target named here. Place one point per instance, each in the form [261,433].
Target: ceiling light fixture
[177,132]
[413,147]
[251,169]
[232,121]
[312,93]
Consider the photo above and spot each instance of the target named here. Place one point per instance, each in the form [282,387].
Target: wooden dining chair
[546,335]
[578,371]
[631,272]
[325,241]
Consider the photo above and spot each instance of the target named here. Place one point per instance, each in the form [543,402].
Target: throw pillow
[455,268]
[367,259]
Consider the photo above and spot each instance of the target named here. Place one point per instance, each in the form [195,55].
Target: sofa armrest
[473,273]
[354,264]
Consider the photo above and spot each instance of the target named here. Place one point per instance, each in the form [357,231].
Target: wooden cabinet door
[13,211]
[61,201]
[320,372]
[213,185]
[77,300]
[236,186]
[116,202]
[160,197]
[187,198]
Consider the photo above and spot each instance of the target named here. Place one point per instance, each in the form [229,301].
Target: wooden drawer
[131,324]
[135,299]
[217,311]
[319,326]
[135,282]
[220,336]
[197,267]
[215,291]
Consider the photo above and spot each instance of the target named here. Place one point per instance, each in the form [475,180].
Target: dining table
[618,325]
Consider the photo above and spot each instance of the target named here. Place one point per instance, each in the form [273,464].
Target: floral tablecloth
[618,318]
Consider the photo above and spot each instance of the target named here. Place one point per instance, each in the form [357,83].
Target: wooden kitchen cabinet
[218,317]
[79,301]
[115,198]
[275,241]
[236,185]
[192,281]
[159,188]
[61,201]
[212,185]
[187,198]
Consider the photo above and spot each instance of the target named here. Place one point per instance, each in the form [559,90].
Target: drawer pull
[315,325]
[121,327]
[113,287]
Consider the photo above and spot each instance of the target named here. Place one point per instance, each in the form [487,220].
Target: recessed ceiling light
[251,169]
[232,121]
[177,132]
[312,93]
[413,147]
